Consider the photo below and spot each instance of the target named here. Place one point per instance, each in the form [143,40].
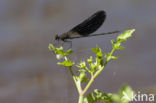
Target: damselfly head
[57,37]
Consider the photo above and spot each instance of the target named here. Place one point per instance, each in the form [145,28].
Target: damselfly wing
[85,28]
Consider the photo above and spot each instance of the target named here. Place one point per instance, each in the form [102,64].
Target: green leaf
[111,57]
[94,66]
[120,47]
[52,48]
[100,67]
[66,63]
[126,93]
[90,60]
[114,57]
[81,70]
[98,51]
[82,77]
[89,99]
[82,64]
[68,52]
[117,45]
[124,96]
[102,96]
[113,42]
[115,97]
[97,96]
[124,36]
[59,50]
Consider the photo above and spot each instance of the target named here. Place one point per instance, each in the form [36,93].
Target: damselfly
[85,28]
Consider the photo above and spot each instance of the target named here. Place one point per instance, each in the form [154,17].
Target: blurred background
[28,70]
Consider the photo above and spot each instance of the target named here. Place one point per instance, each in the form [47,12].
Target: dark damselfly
[85,28]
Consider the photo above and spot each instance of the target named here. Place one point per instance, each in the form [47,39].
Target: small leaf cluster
[124,95]
[94,64]
[98,96]
[122,37]
[61,54]
[117,44]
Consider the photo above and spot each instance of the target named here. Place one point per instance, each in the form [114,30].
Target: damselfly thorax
[68,35]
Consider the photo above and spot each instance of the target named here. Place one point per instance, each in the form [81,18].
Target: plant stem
[112,52]
[80,98]
[77,83]
[88,85]
[92,80]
